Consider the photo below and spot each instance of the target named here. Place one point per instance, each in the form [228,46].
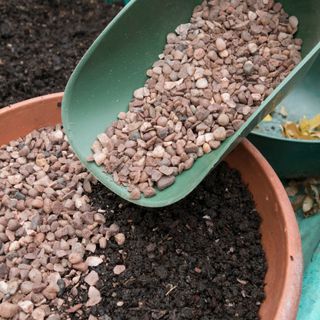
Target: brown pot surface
[280,233]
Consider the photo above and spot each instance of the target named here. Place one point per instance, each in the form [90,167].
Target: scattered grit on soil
[212,75]
[70,249]
[42,41]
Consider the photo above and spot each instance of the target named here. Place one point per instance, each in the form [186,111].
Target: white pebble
[252,47]
[94,261]
[202,83]
[224,54]
[118,269]
[293,22]
[221,44]
[120,239]
[225,97]
[99,158]
[252,15]
[139,93]
[158,151]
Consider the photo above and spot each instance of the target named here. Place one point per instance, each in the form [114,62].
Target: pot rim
[294,265]
[283,139]
[294,268]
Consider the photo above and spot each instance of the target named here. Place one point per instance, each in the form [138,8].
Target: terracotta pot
[280,234]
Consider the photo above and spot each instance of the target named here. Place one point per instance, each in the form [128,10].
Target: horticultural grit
[71,249]
[212,75]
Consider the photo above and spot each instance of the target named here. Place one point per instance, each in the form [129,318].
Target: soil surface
[198,259]
[42,41]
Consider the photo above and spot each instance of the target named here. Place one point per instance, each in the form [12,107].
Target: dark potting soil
[200,258]
[41,42]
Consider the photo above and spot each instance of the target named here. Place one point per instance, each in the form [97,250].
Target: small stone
[56,136]
[237,124]
[120,238]
[91,247]
[219,134]
[38,314]
[13,225]
[54,317]
[94,297]
[82,266]
[256,96]
[248,67]
[99,218]
[293,21]
[168,171]
[135,194]
[118,269]
[92,278]
[191,148]
[245,35]
[8,310]
[51,291]
[158,151]
[26,287]
[3,287]
[75,258]
[188,163]
[26,306]
[35,276]
[221,44]
[57,207]
[165,182]
[37,203]
[61,253]
[224,53]
[13,286]
[252,47]
[114,229]
[206,148]
[171,38]
[24,151]
[122,115]
[15,179]
[199,54]
[223,119]
[202,83]
[225,97]
[99,158]
[200,140]
[260,88]
[252,15]
[94,261]
[74,308]
[149,192]
[103,243]
[139,93]
[162,121]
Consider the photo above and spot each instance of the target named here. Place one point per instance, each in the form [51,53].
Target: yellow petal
[304,124]
[267,118]
[290,130]
[315,122]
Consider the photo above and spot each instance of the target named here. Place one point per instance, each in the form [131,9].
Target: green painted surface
[102,84]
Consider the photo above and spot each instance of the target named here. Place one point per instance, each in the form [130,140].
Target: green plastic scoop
[115,65]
